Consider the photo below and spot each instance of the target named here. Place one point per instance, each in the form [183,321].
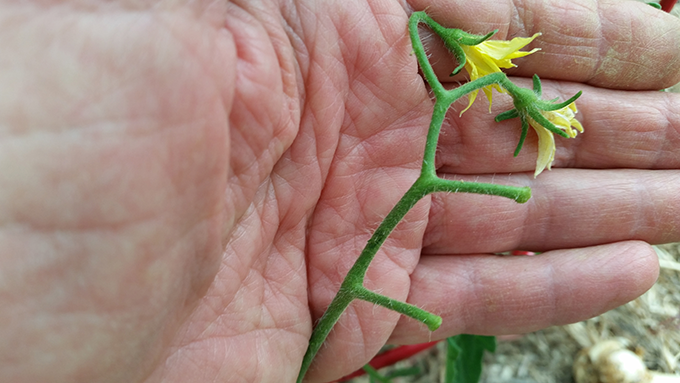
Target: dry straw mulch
[651,323]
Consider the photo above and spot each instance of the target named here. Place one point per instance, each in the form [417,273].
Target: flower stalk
[526,104]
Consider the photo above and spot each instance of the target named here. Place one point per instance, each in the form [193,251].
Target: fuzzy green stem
[353,284]
[518,194]
[430,320]
[428,182]
[323,328]
[419,50]
[493,78]
[352,287]
[441,106]
[428,167]
[418,190]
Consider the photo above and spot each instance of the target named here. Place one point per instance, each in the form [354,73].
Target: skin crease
[184,185]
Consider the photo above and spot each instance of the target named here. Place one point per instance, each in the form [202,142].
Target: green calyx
[453,38]
[529,105]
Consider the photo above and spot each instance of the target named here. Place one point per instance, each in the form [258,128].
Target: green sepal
[469,39]
[508,114]
[544,122]
[550,107]
[453,38]
[458,53]
[655,5]
[537,86]
[523,136]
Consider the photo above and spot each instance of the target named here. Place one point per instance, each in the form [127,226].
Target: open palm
[184,187]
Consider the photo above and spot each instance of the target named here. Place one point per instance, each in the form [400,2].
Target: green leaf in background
[376,377]
[464,355]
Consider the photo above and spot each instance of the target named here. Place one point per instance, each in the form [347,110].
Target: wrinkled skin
[184,186]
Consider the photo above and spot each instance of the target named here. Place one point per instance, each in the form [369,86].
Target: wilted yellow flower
[564,119]
[489,57]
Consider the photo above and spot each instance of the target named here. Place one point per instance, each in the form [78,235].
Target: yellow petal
[546,147]
[560,120]
[502,50]
[471,97]
[487,91]
[574,122]
[477,64]
[489,57]
[565,118]
[577,125]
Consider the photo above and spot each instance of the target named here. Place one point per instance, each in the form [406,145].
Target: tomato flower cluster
[481,57]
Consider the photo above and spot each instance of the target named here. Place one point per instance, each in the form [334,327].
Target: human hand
[185,186]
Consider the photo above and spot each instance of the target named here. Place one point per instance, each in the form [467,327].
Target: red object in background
[522,252]
[667,5]
[390,357]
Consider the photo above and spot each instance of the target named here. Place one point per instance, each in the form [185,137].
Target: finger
[623,129]
[613,44]
[482,294]
[568,208]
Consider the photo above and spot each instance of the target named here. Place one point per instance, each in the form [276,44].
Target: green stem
[419,51]
[428,182]
[430,320]
[442,105]
[493,78]
[418,190]
[518,194]
[353,284]
[323,328]
[428,167]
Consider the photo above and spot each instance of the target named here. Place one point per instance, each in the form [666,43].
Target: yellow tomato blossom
[564,119]
[489,57]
